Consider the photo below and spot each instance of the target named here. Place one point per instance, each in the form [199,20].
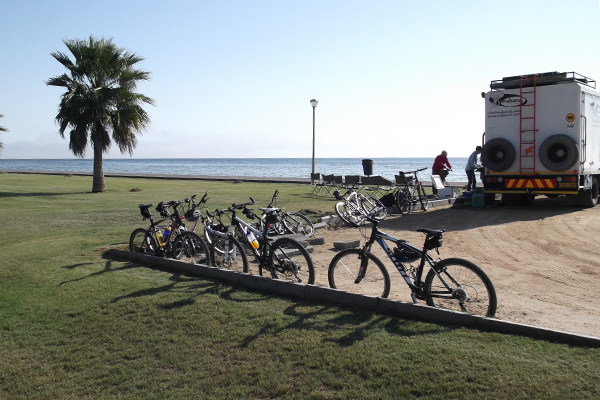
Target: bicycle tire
[403,201]
[228,253]
[298,223]
[373,207]
[423,198]
[289,260]
[352,215]
[143,241]
[190,247]
[472,290]
[343,270]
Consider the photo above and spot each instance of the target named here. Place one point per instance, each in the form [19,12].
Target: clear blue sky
[234,78]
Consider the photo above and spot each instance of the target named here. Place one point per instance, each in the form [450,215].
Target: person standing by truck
[441,167]
[472,166]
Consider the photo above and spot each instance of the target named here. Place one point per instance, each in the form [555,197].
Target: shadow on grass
[107,268]
[341,326]
[195,287]
[357,324]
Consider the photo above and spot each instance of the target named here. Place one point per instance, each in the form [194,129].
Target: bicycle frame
[380,237]
[243,228]
[412,183]
[176,225]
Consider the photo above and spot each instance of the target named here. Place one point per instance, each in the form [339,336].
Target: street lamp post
[313,103]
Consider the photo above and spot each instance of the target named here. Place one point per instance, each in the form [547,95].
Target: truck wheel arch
[498,154]
[558,152]
[589,198]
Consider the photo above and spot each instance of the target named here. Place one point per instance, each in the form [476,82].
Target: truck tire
[498,154]
[589,198]
[559,152]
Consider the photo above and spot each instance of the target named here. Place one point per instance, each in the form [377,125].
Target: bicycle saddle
[268,210]
[431,232]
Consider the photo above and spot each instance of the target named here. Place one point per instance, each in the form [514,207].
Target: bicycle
[225,250]
[412,192]
[282,258]
[354,207]
[452,283]
[289,222]
[168,241]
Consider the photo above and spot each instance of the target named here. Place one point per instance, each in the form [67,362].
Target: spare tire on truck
[559,152]
[498,154]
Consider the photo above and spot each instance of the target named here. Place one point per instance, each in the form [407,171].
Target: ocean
[256,167]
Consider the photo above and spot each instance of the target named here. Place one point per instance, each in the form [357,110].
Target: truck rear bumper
[540,184]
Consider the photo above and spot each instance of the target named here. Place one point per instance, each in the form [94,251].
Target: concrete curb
[369,303]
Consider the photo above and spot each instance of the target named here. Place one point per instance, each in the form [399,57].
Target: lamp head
[313,103]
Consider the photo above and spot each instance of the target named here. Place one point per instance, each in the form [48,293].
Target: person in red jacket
[441,167]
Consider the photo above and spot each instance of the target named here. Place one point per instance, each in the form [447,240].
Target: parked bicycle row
[227,239]
[354,207]
[255,245]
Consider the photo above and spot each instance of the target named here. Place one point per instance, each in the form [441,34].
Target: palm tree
[100,102]
[2,129]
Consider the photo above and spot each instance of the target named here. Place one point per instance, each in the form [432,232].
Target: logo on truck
[507,100]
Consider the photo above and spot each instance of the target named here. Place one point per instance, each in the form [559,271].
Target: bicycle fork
[364,260]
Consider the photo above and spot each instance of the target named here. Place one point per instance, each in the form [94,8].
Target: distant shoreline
[191,177]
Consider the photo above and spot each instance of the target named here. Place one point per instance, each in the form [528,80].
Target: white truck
[542,136]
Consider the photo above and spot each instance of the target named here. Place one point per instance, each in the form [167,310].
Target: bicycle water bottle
[159,238]
[166,233]
[252,239]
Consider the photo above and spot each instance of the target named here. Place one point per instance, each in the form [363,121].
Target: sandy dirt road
[544,260]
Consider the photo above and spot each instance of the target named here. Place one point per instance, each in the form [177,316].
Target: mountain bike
[354,207]
[453,283]
[225,250]
[281,258]
[412,192]
[289,222]
[172,240]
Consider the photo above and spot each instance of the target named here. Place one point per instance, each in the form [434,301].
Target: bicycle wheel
[343,271]
[469,288]
[373,207]
[296,222]
[228,253]
[403,201]
[350,214]
[143,241]
[289,260]
[190,247]
[423,198]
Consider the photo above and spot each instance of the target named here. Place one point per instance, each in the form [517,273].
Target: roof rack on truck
[546,78]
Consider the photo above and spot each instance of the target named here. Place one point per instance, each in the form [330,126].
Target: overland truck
[542,136]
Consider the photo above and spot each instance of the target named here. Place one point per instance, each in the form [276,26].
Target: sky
[234,78]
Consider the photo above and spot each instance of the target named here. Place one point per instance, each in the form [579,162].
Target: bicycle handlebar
[242,205]
[415,171]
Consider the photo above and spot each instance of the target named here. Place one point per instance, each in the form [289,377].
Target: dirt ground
[544,260]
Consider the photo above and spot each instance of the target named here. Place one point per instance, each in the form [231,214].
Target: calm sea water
[258,167]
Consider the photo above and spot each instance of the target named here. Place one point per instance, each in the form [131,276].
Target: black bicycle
[289,222]
[281,258]
[453,283]
[225,250]
[172,240]
[411,192]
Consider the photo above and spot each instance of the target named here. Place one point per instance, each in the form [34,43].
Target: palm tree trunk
[98,184]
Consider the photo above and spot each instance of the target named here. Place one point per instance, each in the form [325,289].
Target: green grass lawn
[74,325]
